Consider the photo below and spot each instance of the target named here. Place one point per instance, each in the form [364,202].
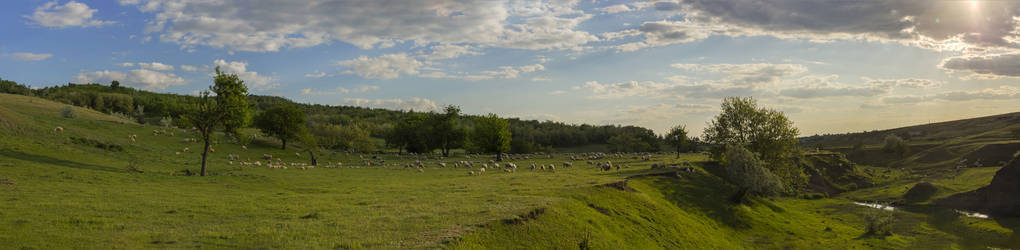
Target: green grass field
[58,193]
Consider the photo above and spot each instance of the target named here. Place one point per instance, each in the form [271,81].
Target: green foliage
[677,138]
[633,142]
[858,146]
[351,137]
[208,113]
[895,145]
[445,131]
[766,132]
[410,134]
[96,143]
[284,121]
[122,116]
[11,87]
[749,173]
[878,221]
[490,134]
[232,100]
[69,112]
[114,84]
[166,121]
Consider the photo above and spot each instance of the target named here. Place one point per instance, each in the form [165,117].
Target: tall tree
[284,121]
[445,130]
[766,132]
[208,114]
[232,97]
[491,134]
[677,138]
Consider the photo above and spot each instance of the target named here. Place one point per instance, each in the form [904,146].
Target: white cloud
[365,88]
[627,89]
[316,75]
[751,75]
[825,86]
[448,51]
[366,23]
[504,72]
[126,64]
[71,14]
[613,9]
[341,90]
[28,57]
[251,78]
[156,66]
[540,79]
[138,78]
[388,66]
[189,68]
[912,83]
[414,103]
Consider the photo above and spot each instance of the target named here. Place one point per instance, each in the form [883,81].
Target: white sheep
[58,130]
[481,171]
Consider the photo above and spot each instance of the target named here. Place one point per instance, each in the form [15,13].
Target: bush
[122,116]
[894,144]
[878,221]
[69,112]
[166,121]
[749,173]
[920,192]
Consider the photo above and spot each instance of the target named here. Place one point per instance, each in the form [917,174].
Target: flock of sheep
[419,162]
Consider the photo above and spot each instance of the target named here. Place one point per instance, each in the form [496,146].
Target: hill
[90,185]
[150,107]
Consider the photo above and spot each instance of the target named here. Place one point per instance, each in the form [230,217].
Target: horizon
[653,64]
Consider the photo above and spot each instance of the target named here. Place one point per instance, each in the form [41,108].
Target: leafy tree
[410,134]
[350,137]
[628,142]
[233,94]
[677,138]
[749,173]
[207,113]
[894,144]
[491,134]
[444,130]
[765,132]
[114,84]
[284,121]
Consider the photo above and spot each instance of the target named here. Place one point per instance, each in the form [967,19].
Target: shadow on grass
[54,161]
[705,193]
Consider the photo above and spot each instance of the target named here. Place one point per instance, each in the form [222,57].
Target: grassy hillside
[60,192]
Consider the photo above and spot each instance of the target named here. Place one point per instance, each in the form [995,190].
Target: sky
[830,66]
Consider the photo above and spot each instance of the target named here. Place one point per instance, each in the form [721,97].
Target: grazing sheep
[245,148]
[178,153]
[212,150]
[267,157]
[567,164]
[186,149]
[421,170]
[298,154]
[339,164]
[552,168]
[58,130]
[442,164]
[471,172]
[481,171]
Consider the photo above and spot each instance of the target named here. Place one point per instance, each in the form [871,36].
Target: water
[876,205]
[891,208]
[972,214]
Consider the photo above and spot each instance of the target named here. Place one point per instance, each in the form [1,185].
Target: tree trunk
[499,156]
[678,152]
[205,153]
[284,144]
[315,161]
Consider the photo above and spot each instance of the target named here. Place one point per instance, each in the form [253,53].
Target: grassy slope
[66,195]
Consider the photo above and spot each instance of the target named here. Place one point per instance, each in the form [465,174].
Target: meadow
[102,190]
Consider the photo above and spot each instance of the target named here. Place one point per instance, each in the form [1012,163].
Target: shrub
[878,221]
[894,144]
[69,112]
[166,121]
[749,173]
[122,116]
[97,144]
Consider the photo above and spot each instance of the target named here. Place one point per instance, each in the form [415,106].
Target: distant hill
[149,107]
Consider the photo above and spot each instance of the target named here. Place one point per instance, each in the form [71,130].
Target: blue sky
[832,66]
